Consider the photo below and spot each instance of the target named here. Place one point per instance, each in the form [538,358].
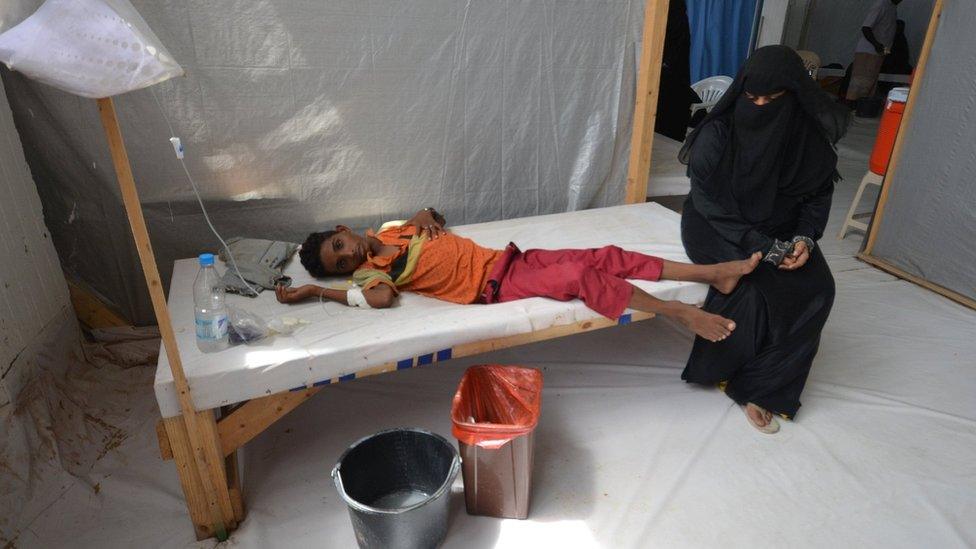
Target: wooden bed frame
[227,430]
[204,443]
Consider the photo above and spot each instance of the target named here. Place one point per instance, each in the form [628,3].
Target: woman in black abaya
[762,168]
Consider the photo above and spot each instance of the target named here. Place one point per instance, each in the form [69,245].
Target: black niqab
[784,147]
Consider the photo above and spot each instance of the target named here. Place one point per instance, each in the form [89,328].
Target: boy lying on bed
[420,256]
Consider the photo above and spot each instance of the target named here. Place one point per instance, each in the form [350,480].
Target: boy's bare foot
[727,274]
[761,418]
[711,327]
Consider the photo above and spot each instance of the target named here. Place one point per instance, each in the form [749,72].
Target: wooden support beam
[943,291]
[645,103]
[236,487]
[162,437]
[210,439]
[203,444]
[90,310]
[197,501]
[192,482]
[249,420]
[232,466]
[902,136]
[478,347]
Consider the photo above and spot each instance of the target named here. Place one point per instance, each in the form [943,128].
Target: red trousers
[597,276]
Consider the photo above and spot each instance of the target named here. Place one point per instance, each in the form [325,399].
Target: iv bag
[91,48]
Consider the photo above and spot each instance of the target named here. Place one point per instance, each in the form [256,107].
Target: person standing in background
[878,35]
[675,95]
[899,61]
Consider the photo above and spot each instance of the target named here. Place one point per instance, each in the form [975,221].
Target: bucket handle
[337,476]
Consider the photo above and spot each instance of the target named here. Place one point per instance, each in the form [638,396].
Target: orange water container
[888,130]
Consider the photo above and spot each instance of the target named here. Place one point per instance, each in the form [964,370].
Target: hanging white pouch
[91,48]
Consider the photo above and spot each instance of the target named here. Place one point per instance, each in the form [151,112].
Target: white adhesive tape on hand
[355,298]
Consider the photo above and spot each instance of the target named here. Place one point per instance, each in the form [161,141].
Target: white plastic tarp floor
[628,455]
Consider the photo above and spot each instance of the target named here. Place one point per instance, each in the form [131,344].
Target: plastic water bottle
[210,311]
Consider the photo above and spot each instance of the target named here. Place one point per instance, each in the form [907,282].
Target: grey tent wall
[926,222]
[34,305]
[300,115]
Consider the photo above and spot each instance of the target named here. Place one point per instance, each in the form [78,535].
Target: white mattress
[667,174]
[340,341]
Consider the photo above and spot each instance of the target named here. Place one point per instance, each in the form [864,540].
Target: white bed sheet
[340,341]
[667,173]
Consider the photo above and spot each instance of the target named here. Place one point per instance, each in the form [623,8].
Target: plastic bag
[286,325]
[246,327]
[495,404]
[91,48]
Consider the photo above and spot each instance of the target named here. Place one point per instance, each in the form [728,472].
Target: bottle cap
[206,260]
[899,95]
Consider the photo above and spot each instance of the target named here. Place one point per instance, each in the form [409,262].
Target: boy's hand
[294,295]
[428,222]
[433,230]
[438,217]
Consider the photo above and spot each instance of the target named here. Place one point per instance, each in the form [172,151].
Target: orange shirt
[450,267]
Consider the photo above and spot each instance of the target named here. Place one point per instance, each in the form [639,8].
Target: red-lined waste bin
[495,412]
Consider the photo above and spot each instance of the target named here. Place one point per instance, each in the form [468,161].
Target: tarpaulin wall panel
[33,293]
[930,214]
[300,115]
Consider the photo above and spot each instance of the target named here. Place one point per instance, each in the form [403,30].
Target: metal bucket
[397,485]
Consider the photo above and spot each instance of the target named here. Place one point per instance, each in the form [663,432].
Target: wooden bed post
[193,435]
[645,103]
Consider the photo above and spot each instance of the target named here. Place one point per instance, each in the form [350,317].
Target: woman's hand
[796,258]
[294,295]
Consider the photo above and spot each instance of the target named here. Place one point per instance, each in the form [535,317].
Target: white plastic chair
[851,221]
[710,90]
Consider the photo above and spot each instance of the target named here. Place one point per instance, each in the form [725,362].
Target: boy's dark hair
[310,253]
